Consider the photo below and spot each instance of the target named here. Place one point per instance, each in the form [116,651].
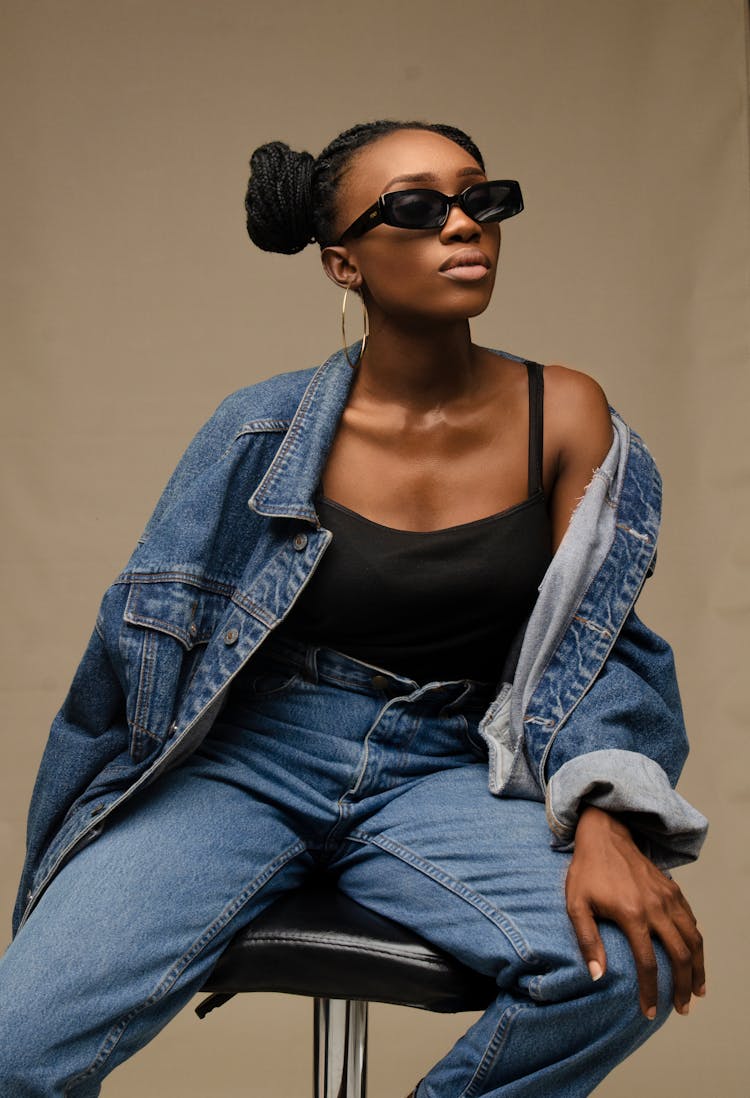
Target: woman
[363,586]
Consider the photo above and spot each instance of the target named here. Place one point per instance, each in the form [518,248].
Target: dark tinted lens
[420,209]
[492,201]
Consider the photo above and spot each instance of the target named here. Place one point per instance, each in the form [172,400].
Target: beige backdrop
[133,302]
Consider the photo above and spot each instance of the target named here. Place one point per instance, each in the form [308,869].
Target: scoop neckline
[505,513]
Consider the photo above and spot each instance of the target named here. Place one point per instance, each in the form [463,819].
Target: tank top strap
[536,425]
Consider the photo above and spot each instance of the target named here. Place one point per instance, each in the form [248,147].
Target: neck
[420,369]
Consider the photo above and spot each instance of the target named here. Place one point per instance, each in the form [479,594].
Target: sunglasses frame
[380,211]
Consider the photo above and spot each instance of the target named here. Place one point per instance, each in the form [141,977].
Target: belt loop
[466,692]
[311,663]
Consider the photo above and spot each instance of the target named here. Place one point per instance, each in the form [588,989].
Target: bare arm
[609,877]
[578,429]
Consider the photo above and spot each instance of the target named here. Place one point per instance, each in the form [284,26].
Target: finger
[589,940]
[690,931]
[684,920]
[681,960]
[642,949]
[693,940]
[699,966]
[687,952]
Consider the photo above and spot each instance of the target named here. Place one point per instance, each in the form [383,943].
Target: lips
[466,257]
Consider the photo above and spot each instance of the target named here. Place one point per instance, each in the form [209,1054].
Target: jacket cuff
[668,829]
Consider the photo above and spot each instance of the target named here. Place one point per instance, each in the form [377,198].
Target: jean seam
[493,1049]
[178,968]
[459,888]
[365,754]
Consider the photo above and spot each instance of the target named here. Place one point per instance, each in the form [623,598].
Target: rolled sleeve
[635,788]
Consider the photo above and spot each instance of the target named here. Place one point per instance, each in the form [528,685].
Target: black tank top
[437,604]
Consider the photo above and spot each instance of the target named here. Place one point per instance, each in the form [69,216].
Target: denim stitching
[278,465]
[459,888]
[141,728]
[175,575]
[366,751]
[111,1040]
[257,425]
[604,632]
[493,1050]
[143,698]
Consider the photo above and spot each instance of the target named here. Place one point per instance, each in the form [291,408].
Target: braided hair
[291,196]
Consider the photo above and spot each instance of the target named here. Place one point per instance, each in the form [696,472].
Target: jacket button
[231,636]
[300,541]
[380,682]
[193,629]
[97,808]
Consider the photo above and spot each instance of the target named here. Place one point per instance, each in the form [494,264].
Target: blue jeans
[320,760]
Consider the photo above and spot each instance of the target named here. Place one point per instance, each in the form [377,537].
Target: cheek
[396,280]
[404,274]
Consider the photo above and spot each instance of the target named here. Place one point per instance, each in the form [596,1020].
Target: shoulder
[275,397]
[573,394]
[578,421]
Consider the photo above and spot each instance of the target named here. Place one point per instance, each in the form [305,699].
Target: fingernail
[651,1013]
[701,990]
[684,1009]
[596,970]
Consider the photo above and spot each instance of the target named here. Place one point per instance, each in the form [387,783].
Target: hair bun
[278,201]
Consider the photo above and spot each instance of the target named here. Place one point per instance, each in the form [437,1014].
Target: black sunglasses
[425,209]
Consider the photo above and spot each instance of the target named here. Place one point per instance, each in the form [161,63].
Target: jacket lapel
[289,484]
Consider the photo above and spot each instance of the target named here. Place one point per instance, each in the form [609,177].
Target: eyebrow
[429,177]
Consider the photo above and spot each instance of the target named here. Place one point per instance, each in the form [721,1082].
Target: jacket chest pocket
[168,625]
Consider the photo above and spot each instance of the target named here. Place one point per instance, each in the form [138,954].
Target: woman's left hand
[609,878]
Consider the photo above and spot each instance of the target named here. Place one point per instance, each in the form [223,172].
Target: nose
[460,226]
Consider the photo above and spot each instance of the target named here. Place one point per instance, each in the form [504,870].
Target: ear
[341,266]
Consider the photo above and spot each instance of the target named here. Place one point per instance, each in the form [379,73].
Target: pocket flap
[185,610]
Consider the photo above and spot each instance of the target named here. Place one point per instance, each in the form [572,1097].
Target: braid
[291,197]
[278,201]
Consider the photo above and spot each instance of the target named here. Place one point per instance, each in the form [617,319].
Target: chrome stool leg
[340,1048]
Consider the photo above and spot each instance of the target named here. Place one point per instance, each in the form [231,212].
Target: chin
[463,305]
[447,304]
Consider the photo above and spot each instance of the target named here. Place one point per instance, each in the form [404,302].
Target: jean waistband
[319,663]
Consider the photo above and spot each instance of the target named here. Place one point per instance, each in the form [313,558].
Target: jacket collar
[289,484]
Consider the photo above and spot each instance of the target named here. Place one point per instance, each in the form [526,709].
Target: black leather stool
[316,941]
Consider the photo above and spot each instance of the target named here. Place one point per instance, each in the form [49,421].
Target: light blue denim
[586,710]
[319,760]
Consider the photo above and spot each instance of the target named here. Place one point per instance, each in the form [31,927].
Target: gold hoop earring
[343,330]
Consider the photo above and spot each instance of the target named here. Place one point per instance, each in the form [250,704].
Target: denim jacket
[587,707]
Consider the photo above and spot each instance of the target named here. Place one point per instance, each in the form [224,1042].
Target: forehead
[409,152]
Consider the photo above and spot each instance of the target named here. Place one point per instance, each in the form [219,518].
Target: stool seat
[316,941]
